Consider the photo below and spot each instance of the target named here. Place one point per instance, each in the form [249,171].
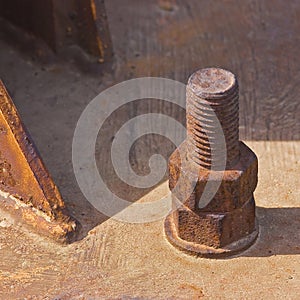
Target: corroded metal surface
[26,188]
[118,260]
[227,223]
[212,92]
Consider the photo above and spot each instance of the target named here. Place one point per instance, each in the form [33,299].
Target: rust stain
[166,5]
[6,177]
[99,42]
[197,291]
[153,65]
[181,33]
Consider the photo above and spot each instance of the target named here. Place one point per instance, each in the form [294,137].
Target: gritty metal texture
[135,261]
[26,188]
[61,24]
[227,223]
[212,92]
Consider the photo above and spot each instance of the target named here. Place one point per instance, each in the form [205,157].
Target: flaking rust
[226,224]
[27,191]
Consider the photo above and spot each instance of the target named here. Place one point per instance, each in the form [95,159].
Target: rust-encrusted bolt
[226,223]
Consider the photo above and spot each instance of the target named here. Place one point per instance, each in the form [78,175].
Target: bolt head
[212,82]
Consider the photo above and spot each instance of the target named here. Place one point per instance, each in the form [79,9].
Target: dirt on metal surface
[26,188]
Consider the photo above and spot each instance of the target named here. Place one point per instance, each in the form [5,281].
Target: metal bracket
[26,188]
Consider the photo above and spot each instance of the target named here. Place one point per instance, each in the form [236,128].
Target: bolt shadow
[279,232]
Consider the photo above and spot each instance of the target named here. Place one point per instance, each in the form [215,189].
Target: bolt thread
[205,147]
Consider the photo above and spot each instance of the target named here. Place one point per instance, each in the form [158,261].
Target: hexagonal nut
[215,229]
[236,188]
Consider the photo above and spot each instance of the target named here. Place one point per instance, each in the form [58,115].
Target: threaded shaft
[212,109]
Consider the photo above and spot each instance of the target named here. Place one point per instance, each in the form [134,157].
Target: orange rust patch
[26,187]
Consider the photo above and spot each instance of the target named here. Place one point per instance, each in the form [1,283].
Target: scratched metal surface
[123,261]
[257,40]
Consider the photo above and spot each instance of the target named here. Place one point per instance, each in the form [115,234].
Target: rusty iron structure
[27,191]
[63,23]
[226,224]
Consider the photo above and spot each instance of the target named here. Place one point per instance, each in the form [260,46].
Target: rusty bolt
[226,223]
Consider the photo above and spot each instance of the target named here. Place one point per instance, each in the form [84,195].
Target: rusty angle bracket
[27,191]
